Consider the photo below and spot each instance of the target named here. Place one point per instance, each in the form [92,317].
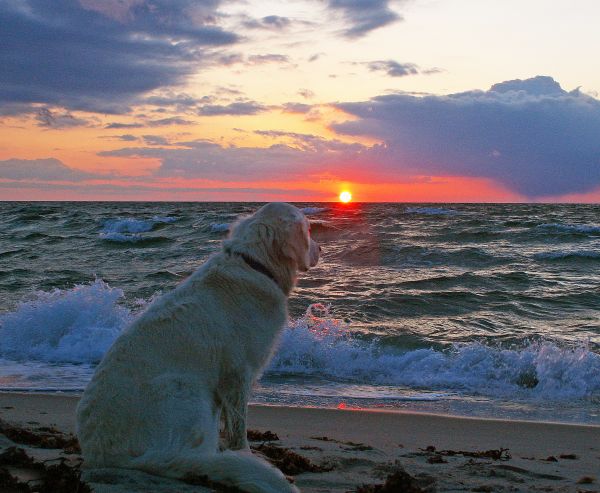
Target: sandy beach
[352,448]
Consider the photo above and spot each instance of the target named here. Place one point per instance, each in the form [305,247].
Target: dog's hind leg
[234,403]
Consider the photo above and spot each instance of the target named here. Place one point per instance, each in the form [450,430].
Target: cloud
[268,58]
[51,119]
[393,68]
[98,55]
[364,16]
[117,125]
[162,122]
[40,169]
[127,137]
[300,157]
[306,93]
[155,140]
[530,135]
[272,22]
[300,108]
[239,109]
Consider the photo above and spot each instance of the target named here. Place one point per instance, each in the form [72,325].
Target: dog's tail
[240,469]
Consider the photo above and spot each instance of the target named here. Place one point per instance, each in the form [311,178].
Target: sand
[364,447]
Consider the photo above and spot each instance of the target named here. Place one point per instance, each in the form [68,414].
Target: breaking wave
[78,325]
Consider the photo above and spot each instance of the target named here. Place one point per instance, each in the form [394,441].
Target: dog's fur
[189,361]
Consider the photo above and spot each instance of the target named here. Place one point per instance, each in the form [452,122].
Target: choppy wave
[323,346]
[132,225]
[220,227]
[129,230]
[313,210]
[78,326]
[572,229]
[568,255]
[431,211]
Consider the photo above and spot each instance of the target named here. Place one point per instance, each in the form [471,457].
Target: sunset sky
[257,100]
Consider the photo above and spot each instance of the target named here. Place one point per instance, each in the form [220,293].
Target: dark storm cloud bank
[530,135]
[100,56]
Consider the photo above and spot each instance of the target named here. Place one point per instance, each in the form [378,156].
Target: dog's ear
[295,244]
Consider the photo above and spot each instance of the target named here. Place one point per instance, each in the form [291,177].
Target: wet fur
[189,361]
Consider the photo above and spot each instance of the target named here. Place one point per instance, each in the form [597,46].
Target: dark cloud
[156,140]
[180,101]
[40,169]
[162,122]
[127,137]
[364,16]
[530,135]
[62,119]
[98,55]
[393,68]
[239,108]
[274,22]
[306,93]
[117,125]
[296,108]
[174,120]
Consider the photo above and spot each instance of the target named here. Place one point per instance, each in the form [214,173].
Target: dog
[188,363]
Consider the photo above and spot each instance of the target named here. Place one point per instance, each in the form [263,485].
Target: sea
[483,310]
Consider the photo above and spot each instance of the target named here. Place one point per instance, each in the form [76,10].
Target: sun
[345,196]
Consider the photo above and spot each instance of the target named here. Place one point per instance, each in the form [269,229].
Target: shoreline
[76,394]
[363,446]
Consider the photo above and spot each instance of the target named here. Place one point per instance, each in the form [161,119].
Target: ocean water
[478,310]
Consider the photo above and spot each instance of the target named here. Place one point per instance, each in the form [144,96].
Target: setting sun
[345,196]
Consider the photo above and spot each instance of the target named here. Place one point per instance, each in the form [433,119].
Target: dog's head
[277,235]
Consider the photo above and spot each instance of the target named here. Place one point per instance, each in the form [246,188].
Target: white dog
[157,398]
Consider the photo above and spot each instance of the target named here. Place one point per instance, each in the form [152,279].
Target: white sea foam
[80,324]
[313,210]
[220,227]
[431,211]
[127,230]
[75,326]
[323,347]
[132,225]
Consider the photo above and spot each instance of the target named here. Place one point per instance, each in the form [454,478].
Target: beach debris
[401,482]
[42,437]
[61,477]
[202,480]
[437,459]
[494,454]
[259,436]
[288,461]
[550,458]
[483,488]
[354,446]
[586,480]
[310,447]
[357,447]
[568,456]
